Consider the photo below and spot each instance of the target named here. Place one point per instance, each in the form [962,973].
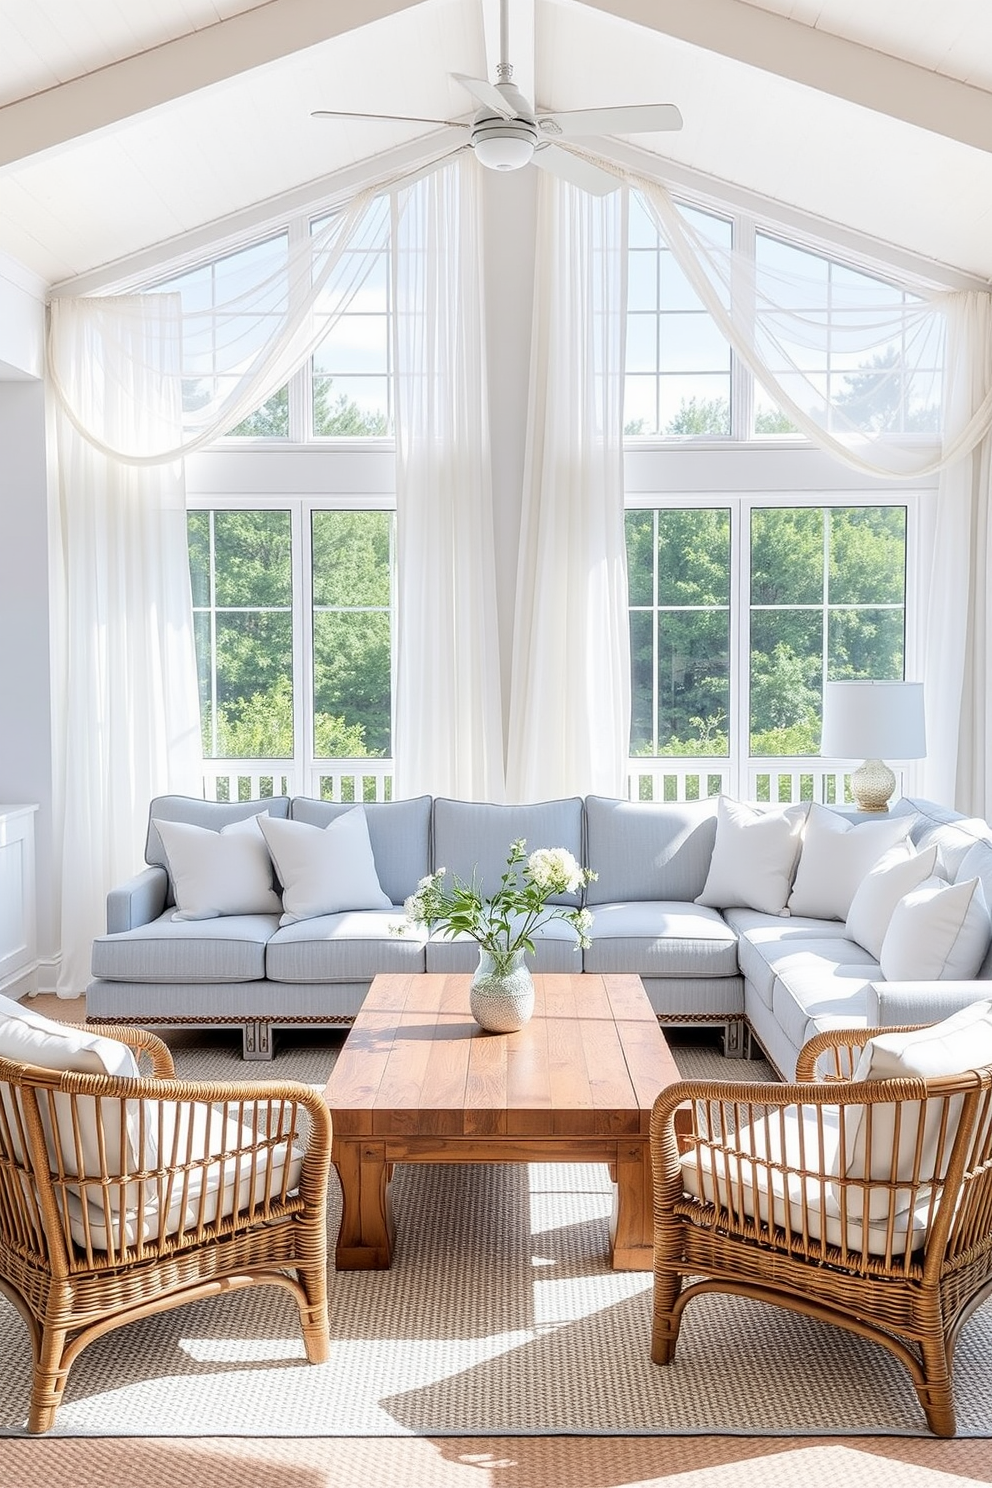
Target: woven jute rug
[500,1316]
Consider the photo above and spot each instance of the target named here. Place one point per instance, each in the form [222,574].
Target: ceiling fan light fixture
[504,152]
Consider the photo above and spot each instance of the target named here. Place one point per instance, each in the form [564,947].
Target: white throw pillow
[324,870]
[879,892]
[218,873]
[754,856]
[961,1042]
[28,1038]
[938,933]
[836,856]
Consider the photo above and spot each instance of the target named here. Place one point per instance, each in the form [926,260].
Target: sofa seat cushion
[821,979]
[753,1184]
[762,938]
[659,938]
[353,945]
[228,949]
[556,949]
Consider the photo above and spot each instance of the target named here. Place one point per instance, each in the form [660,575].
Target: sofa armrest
[889,1003]
[137,902]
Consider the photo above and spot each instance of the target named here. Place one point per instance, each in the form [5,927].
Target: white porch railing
[648,779]
[330,780]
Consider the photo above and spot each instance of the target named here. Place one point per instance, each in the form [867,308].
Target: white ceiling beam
[120,90]
[817,59]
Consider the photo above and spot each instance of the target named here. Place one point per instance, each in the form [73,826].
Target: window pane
[694,557]
[352,588]
[254,672]
[351,684]
[640,556]
[693,682]
[866,643]
[253,558]
[241,572]
[354,406]
[351,562]
[787,556]
[786,681]
[867,555]
[678,563]
[692,343]
[694,405]
[271,421]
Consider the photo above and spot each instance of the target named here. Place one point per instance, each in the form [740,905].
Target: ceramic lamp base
[872,784]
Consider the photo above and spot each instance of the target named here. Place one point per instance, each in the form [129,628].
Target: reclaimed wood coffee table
[418,1081]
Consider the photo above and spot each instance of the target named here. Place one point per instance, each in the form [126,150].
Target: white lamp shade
[873,720]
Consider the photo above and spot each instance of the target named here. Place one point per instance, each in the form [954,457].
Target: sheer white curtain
[570,704]
[249,320]
[958,767]
[125,695]
[448,712]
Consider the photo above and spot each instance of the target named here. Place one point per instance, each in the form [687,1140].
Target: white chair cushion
[218,873]
[938,932]
[960,1042]
[28,1038]
[324,870]
[894,875]
[225,1182]
[763,1192]
[836,855]
[754,856]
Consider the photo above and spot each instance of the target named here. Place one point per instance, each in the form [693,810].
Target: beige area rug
[499,1317]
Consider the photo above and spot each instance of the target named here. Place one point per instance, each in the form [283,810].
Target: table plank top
[590,1062]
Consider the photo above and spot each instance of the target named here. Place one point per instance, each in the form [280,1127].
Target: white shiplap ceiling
[124,126]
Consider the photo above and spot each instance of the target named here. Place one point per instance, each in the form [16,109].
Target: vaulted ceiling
[125,127]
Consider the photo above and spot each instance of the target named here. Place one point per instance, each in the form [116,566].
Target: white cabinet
[18,928]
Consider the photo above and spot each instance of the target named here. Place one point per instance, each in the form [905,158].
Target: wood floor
[491,1462]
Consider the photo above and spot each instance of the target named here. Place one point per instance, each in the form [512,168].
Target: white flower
[555,871]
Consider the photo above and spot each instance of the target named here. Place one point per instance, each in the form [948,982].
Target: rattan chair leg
[936,1390]
[667,1317]
[48,1380]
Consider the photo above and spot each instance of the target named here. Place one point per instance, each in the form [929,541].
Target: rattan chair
[866,1204]
[120,1198]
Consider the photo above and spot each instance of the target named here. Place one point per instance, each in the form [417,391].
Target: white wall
[25,695]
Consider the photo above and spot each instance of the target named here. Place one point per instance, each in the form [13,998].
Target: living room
[177,150]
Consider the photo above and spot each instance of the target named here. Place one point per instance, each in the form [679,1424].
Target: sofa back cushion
[213,815]
[648,849]
[474,837]
[399,831]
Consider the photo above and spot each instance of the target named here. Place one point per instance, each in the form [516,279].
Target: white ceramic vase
[502,1002]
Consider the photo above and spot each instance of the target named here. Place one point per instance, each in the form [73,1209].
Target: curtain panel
[570,700]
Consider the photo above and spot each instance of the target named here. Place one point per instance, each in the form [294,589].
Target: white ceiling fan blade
[634,118]
[385,118]
[486,93]
[579,172]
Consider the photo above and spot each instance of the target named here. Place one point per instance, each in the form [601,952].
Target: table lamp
[866,720]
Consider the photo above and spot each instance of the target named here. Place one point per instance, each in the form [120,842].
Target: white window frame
[739,773]
[303,774]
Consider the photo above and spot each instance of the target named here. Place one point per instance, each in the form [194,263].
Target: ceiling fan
[507,132]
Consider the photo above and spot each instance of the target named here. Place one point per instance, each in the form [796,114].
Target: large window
[739,611]
[292,611]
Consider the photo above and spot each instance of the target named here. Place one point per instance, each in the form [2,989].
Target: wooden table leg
[365,1239]
[632,1225]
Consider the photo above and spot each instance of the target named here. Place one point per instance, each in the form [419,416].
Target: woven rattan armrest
[838,1048]
[141,1040]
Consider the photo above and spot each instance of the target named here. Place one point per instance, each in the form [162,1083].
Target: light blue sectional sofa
[757,973]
